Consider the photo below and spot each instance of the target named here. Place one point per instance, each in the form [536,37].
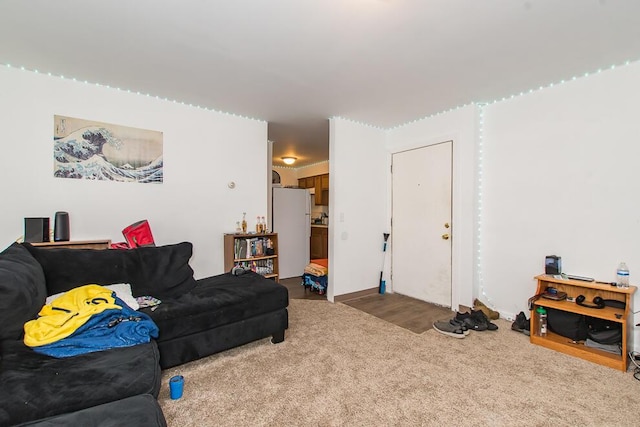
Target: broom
[381,284]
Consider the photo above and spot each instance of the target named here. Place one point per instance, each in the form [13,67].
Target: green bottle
[542,321]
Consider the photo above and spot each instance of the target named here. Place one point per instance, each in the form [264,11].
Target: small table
[76,244]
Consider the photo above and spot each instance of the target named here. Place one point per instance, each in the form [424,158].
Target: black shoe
[481,318]
[470,322]
[460,324]
[521,323]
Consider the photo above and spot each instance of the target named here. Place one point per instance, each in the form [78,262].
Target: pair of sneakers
[452,328]
[476,320]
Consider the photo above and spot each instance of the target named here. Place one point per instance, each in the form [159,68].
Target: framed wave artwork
[84,149]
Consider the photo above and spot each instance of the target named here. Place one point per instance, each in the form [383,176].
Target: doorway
[421,261]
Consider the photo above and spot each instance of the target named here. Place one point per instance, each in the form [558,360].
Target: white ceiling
[295,63]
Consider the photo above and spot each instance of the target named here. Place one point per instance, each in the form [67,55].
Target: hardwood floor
[409,313]
[297,291]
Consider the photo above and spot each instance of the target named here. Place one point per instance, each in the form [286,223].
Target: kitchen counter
[320,225]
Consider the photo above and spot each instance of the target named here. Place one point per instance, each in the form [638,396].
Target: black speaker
[61,228]
[36,230]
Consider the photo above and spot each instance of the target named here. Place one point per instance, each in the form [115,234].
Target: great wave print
[101,151]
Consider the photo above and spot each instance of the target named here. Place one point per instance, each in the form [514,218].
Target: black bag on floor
[567,324]
[604,331]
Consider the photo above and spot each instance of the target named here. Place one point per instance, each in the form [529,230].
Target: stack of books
[252,247]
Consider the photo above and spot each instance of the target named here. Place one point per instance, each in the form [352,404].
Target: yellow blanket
[316,269]
[67,313]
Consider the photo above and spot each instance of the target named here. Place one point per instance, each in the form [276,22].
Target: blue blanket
[110,329]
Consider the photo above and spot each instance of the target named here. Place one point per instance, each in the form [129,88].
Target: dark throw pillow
[161,271]
[65,269]
[22,290]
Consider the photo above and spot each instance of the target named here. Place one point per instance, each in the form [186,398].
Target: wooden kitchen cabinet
[319,242]
[310,181]
[324,181]
[318,195]
[322,198]
[322,190]
[321,185]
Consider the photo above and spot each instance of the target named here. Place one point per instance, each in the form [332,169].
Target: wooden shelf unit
[76,244]
[230,258]
[574,288]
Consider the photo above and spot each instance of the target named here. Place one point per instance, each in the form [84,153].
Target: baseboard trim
[354,295]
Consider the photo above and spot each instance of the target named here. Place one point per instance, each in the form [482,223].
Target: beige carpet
[341,367]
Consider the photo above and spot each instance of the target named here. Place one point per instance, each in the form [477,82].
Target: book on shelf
[240,248]
[253,247]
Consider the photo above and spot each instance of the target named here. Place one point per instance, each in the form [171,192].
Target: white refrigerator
[292,222]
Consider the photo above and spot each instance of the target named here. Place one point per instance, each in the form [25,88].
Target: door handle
[445,236]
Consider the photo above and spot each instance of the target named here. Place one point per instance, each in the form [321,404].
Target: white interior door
[421,227]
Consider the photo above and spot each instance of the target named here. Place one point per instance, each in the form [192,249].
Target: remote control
[607,283]
[581,278]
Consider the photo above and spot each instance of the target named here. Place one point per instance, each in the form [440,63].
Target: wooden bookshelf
[258,251]
[574,288]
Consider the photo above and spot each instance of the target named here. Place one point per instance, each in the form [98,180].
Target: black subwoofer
[61,228]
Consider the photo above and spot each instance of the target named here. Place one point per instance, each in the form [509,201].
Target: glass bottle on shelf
[264,225]
[258,225]
[238,228]
[244,222]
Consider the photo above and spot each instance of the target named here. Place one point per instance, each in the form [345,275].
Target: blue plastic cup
[176,384]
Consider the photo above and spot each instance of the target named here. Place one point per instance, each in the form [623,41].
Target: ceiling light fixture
[289,160]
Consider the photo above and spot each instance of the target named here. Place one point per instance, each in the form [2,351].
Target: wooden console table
[76,244]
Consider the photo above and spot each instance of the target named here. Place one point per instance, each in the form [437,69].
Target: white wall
[357,206]
[319,168]
[561,179]
[193,204]
[288,175]
[458,126]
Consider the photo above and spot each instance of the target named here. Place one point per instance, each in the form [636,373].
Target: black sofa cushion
[35,386]
[217,301]
[22,290]
[196,346]
[139,411]
[161,271]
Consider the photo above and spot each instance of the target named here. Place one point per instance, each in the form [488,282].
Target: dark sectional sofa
[119,386]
